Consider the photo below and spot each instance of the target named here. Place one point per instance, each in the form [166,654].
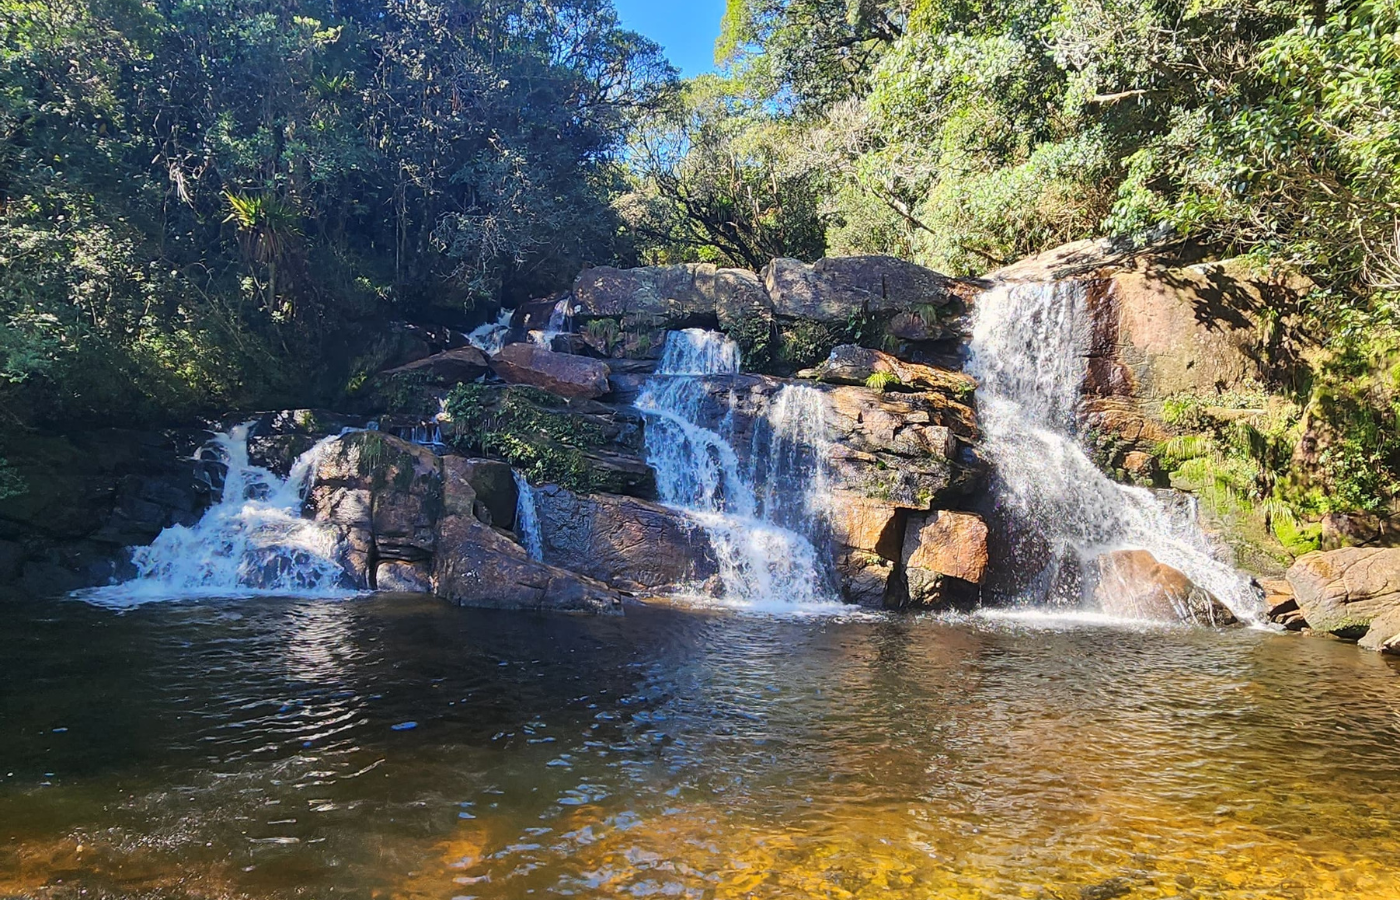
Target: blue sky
[685,28]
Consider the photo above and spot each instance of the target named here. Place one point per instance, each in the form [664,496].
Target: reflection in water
[250,749]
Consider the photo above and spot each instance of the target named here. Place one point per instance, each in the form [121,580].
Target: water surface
[401,748]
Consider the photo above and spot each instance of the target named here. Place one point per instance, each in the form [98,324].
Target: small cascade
[253,541]
[491,337]
[527,518]
[559,319]
[424,436]
[761,537]
[1029,354]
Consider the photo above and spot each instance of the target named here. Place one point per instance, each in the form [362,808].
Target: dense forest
[218,203]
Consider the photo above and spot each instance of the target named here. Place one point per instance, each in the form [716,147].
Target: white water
[558,324]
[1029,351]
[527,518]
[491,337]
[253,541]
[765,560]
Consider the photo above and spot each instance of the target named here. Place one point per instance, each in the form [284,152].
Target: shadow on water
[400,748]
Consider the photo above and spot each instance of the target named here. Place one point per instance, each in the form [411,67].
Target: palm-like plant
[266,227]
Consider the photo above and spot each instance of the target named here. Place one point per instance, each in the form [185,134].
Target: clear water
[259,749]
[527,517]
[1029,353]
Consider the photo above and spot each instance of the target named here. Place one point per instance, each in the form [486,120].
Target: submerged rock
[559,373]
[1133,583]
[1344,592]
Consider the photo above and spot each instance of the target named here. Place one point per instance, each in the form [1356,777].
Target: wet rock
[624,542]
[872,526]
[945,555]
[1343,591]
[1281,605]
[1133,583]
[850,364]
[865,578]
[558,373]
[450,367]
[1383,634]
[398,577]
[477,566]
[831,290]
[484,488]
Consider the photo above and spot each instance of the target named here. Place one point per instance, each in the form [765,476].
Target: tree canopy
[201,200]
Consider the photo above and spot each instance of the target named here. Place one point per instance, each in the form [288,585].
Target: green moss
[755,337]
[524,427]
[1297,539]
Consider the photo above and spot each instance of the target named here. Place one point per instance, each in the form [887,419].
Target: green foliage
[756,339]
[603,333]
[526,427]
[803,344]
[217,204]
[882,381]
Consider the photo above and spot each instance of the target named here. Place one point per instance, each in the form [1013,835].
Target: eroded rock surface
[1343,592]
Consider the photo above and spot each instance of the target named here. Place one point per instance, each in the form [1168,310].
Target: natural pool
[263,748]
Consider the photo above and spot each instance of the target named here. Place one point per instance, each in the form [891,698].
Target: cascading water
[1029,354]
[491,337]
[527,518]
[760,538]
[558,324]
[253,541]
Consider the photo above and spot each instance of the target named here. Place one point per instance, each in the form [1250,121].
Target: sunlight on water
[377,749]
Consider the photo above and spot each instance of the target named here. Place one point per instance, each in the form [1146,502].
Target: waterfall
[761,538]
[1029,354]
[253,541]
[527,518]
[558,324]
[491,337]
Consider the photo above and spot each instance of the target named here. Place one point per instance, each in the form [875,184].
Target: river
[402,748]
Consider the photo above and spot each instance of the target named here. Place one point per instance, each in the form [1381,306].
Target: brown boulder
[624,542]
[947,543]
[864,577]
[860,523]
[1343,591]
[832,290]
[850,364]
[1134,584]
[558,373]
[447,368]
[476,566]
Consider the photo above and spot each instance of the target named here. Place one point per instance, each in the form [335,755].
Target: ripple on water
[249,750]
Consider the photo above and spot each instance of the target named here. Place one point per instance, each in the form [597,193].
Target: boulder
[1281,605]
[558,373]
[1343,591]
[850,364]
[674,295]
[944,543]
[865,578]
[484,488]
[1384,633]
[871,526]
[1134,584]
[447,368]
[476,566]
[831,290]
[397,577]
[624,542]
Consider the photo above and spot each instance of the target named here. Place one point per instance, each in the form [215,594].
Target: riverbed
[401,748]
